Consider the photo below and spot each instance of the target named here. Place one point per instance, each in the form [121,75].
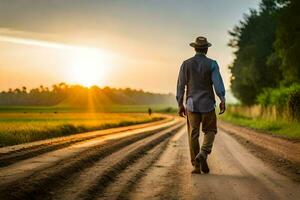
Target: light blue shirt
[218,81]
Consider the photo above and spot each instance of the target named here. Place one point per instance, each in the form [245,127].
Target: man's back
[200,74]
[200,95]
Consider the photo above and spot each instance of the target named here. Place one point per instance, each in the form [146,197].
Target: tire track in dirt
[28,167]
[43,184]
[91,182]
[130,177]
[235,174]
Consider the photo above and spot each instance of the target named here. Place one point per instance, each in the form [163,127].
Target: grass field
[31,124]
[104,108]
[278,127]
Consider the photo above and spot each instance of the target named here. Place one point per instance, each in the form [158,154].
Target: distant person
[198,75]
[149,111]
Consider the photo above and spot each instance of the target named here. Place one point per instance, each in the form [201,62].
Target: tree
[24,89]
[255,65]
[287,44]
[17,91]
[77,95]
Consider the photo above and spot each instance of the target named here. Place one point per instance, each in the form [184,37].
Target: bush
[283,97]
[294,104]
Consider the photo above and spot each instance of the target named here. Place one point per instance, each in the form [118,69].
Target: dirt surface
[146,163]
[282,154]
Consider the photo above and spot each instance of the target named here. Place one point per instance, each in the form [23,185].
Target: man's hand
[222,108]
[181,111]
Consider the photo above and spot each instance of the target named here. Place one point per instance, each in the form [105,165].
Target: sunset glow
[88,67]
[110,43]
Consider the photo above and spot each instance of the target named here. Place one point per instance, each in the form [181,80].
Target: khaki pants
[209,127]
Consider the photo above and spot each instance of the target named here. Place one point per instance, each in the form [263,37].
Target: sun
[88,67]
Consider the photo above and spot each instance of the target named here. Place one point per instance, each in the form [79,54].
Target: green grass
[278,127]
[32,125]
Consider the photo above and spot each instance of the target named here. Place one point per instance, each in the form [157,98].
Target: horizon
[117,44]
[50,87]
[89,87]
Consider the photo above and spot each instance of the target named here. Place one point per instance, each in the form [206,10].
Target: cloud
[42,40]
[31,39]
[33,42]
[39,40]
[27,34]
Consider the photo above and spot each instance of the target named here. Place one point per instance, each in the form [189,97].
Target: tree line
[266,45]
[77,95]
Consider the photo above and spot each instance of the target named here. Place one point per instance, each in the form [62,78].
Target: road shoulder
[281,154]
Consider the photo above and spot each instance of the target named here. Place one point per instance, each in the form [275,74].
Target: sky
[122,43]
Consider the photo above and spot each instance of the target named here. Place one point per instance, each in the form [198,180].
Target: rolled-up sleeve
[218,81]
[181,82]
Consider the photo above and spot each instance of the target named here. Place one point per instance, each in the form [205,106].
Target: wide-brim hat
[200,43]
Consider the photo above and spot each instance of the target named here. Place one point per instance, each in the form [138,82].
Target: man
[198,75]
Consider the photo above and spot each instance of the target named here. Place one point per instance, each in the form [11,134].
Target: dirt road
[149,162]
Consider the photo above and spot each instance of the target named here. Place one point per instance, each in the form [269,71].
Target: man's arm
[181,82]
[218,85]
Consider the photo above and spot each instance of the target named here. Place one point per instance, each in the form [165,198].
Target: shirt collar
[200,54]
